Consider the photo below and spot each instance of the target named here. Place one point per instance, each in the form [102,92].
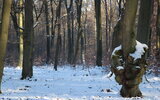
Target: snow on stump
[129,74]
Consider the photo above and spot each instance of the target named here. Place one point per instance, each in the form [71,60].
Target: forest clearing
[79,49]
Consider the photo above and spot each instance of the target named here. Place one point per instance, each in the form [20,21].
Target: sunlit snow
[70,84]
[139,50]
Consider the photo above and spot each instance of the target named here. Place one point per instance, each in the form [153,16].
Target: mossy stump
[128,73]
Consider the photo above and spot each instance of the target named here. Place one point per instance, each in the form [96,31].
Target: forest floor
[70,84]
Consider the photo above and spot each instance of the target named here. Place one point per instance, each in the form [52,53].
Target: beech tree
[126,65]
[144,20]
[27,70]
[79,13]
[47,31]
[69,30]
[58,15]
[20,31]
[4,27]
[98,32]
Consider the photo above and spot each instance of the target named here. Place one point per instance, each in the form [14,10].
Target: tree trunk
[82,49]
[98,32]
[69,29]
[64,42]
[72,17]
[158,26]
[128,44]
[79,7]
[20,23]
[58,15]
[129,70]
[1,6]
[144,20]
[27,70]
[4,25]
[48,32]
[52,26]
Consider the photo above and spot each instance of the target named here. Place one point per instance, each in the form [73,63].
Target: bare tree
[79,12]
[124,65]
[58,15]
[69,29]
[4,27]
[98,32]
[27,71]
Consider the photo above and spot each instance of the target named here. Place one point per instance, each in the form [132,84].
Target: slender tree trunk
[110,26]
[98,32]
[72,17]
[82,48]
[69,29]
[108,40]
[48,32]
[20,23]
[28,36]
[64,42]
[79,7]
[106,13]
[58,15]
[144,20]
[4,26]
[52,26]
[70,52]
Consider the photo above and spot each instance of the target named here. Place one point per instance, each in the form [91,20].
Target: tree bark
[1,6]
[58,15]
[20,23]
[158,26]
[69,29]
[4,26]
[27,71]
[79,7]
[52,26]
[131,70]
[144,19]
[47,31]
[128,44]
[98,32]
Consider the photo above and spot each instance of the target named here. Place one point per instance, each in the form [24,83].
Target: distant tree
[79,13]
[20,23]
[98,32]
[47,31]
[4,27]
[144,21]
[69,29]
[58,15]
[28,37]
[52,24]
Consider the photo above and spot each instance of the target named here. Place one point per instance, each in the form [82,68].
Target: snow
[139,50]
[116,49]
[120,67]
[138,67]
[70,84]
[137,54]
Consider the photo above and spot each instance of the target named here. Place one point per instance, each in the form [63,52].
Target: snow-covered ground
[70,84]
